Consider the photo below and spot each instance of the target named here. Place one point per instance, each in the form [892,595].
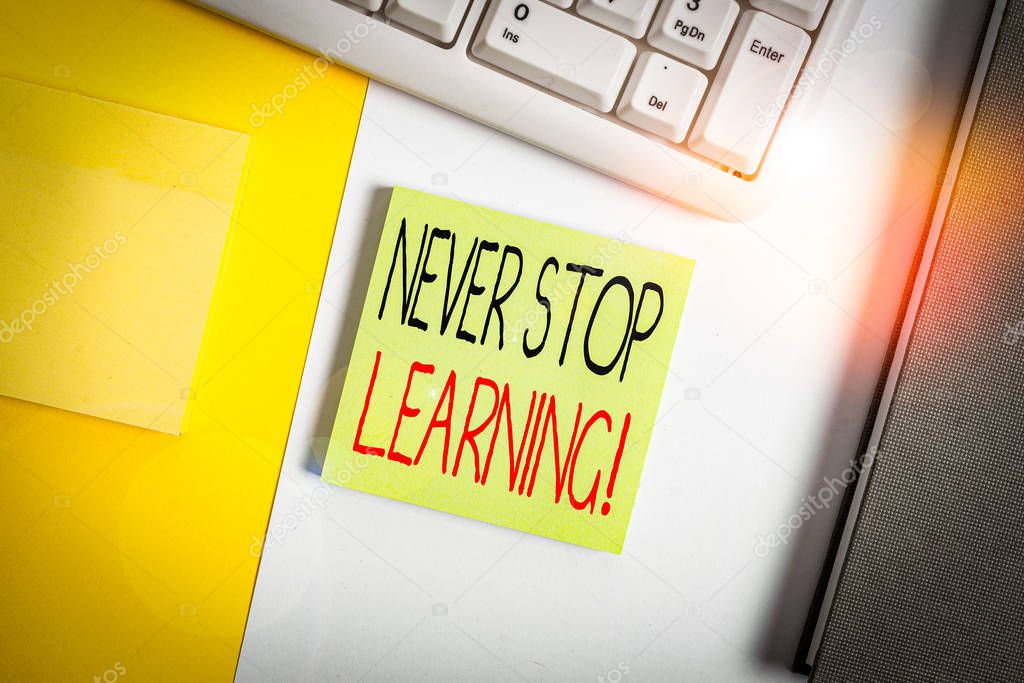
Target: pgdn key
[555,50]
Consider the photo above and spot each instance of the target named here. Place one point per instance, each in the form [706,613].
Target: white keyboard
[689,99]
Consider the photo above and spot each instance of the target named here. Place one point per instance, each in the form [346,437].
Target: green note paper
[507,370]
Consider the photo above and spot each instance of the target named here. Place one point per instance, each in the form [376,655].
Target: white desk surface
[778,356]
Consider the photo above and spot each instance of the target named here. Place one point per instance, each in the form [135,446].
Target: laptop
[923,580]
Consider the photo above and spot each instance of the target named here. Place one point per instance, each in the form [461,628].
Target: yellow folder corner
[123,551]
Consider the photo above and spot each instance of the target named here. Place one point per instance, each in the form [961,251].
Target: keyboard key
[564,4]
[372,5]
[555,50]
[750,92]
[662,96]
[805,13]
[439,19]
[694,30]
[631,17]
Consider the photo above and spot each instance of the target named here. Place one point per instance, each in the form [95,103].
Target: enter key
[751,91]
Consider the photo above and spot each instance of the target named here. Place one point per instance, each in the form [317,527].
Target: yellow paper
[122,547]
[507,370]
[114,223]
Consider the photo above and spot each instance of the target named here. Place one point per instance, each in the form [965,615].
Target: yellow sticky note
[507,370]
[114,224]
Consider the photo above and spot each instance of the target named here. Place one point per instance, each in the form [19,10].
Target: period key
[662,96]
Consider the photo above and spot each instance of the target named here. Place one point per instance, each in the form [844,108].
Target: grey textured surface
[933,586]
